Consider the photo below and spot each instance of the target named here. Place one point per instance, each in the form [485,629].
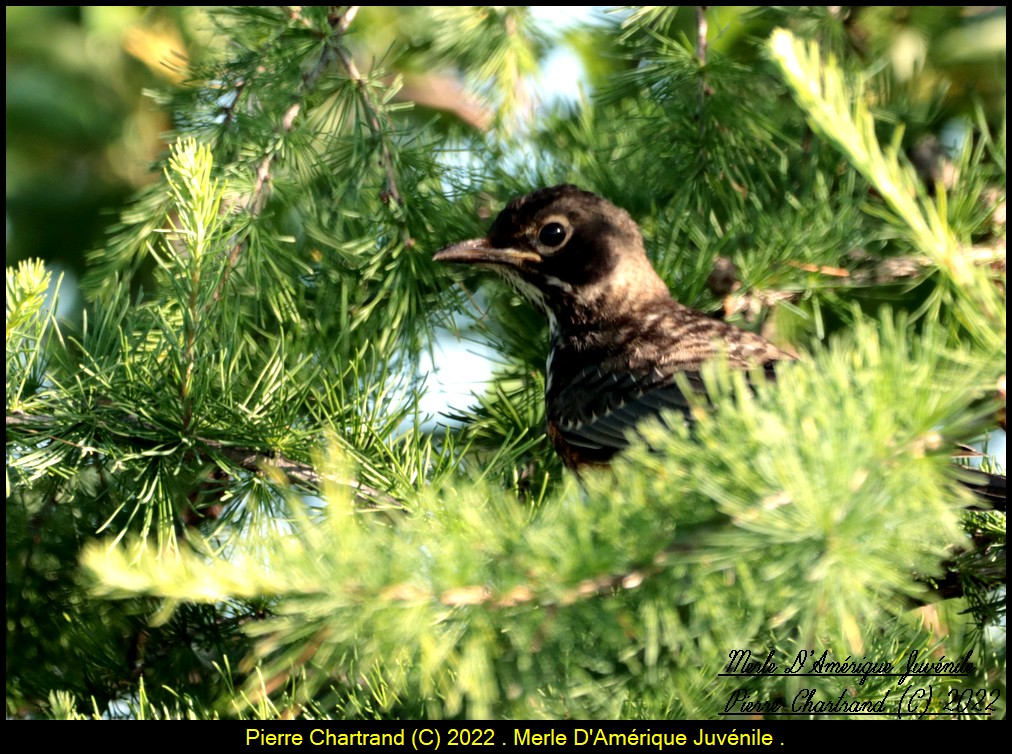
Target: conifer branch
[821,91]
[255,202]
[132,433]
[373,119]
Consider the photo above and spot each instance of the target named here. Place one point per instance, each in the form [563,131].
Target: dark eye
[552,234]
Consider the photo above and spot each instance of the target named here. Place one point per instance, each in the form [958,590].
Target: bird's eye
[552,234]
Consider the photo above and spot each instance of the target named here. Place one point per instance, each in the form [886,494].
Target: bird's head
[569,252]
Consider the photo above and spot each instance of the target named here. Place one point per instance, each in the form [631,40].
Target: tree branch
[256,201]
[390,192]
[254,460]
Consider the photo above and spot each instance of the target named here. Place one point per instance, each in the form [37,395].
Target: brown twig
[254,460]
[390,192]
[255,202]
[445,93]
[701,30]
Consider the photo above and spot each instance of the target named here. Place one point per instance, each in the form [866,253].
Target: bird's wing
[599,408]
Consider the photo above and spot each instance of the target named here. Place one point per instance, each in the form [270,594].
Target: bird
[618,339]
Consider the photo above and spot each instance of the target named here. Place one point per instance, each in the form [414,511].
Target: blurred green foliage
[82,134]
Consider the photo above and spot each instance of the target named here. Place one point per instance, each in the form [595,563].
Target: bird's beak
[480,251]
